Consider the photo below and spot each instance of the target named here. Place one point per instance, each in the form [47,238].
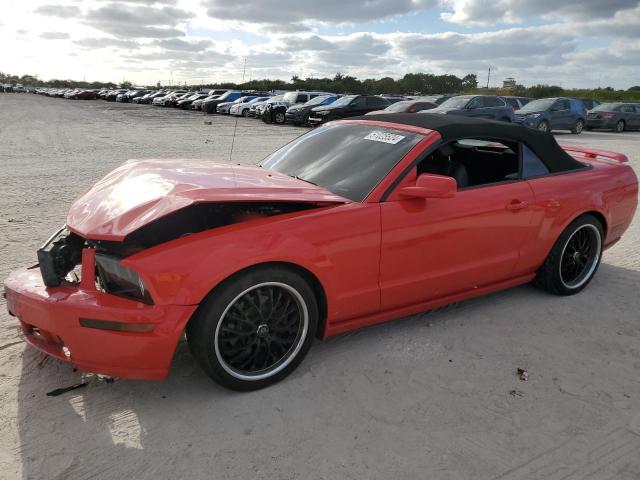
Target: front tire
[255,328]
[543,126]
[574,258]
[279,118]
[620,126]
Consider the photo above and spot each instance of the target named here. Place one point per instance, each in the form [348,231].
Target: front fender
[339,245]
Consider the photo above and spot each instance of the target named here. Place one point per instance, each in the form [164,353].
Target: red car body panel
[372,260]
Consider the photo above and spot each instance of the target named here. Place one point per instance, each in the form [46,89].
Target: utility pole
[488,77]
[244,68]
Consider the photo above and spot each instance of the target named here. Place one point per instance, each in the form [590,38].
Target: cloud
[54,36]
[484,12]
[97,43]
[62,11]
[143,2]
[284,12]
[179,45]
[138,22]
[534,44]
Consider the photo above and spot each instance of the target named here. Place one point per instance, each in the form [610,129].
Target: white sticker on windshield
[378,136]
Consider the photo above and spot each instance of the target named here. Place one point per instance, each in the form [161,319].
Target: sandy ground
[423,397]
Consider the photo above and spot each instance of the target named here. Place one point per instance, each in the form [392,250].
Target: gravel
[429,396]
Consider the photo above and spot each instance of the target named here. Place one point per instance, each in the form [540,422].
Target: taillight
[607,114]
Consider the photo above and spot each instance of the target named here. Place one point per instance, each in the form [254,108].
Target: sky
[571,43]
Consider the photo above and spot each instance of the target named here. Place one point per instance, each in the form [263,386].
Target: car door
[376,103]
[628,114]
[560,114]
[475,108]
[436,248]
[358,106]
[495,107]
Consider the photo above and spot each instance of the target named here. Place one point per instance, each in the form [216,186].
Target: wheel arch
[595,213]
[308,275]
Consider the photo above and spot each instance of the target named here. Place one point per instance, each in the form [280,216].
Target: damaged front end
[61,257]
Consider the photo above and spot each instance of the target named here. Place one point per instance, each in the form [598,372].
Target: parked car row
[315,107]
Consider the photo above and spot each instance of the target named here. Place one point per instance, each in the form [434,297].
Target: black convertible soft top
[454,127]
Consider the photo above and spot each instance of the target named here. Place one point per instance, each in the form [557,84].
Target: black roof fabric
[454,127]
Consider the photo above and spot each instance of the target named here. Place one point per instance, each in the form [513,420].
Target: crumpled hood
[142,191]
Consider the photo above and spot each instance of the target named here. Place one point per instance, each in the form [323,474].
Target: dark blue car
[548,114]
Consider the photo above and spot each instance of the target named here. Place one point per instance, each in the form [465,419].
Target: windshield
[538,105]
[606,107]
[226,95]
[346,159]
[456,102]
[398,106]
[317,100]
[290,97]
[343,101]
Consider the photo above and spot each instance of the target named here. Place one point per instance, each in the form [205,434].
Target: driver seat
[461,175]
[454,169]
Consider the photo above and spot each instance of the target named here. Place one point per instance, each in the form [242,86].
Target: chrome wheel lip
[586,274]
[291,355]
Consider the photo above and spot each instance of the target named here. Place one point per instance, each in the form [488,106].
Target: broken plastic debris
[516,393]
[523,374]
[60,391]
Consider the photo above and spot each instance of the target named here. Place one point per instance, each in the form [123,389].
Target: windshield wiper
[304,180]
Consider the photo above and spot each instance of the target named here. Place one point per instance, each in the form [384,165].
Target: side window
[474,162]
[627,109]
[513,103]
[532,166]
[493,102]
[374,101]
[561,105]
[358,102]
[418,107]
[476,103]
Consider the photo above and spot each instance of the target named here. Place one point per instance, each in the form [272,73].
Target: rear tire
[574,258]
[578,127]
[255,328]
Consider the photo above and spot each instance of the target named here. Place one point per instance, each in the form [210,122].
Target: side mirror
[431,186]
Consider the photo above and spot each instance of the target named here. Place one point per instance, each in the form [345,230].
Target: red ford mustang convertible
[354,223]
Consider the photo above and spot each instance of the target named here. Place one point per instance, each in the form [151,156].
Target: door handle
[516,205]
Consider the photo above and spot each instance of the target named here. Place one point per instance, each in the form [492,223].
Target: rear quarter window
[532,166]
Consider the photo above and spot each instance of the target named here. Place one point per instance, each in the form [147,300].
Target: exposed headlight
[533,115]
[118,280]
